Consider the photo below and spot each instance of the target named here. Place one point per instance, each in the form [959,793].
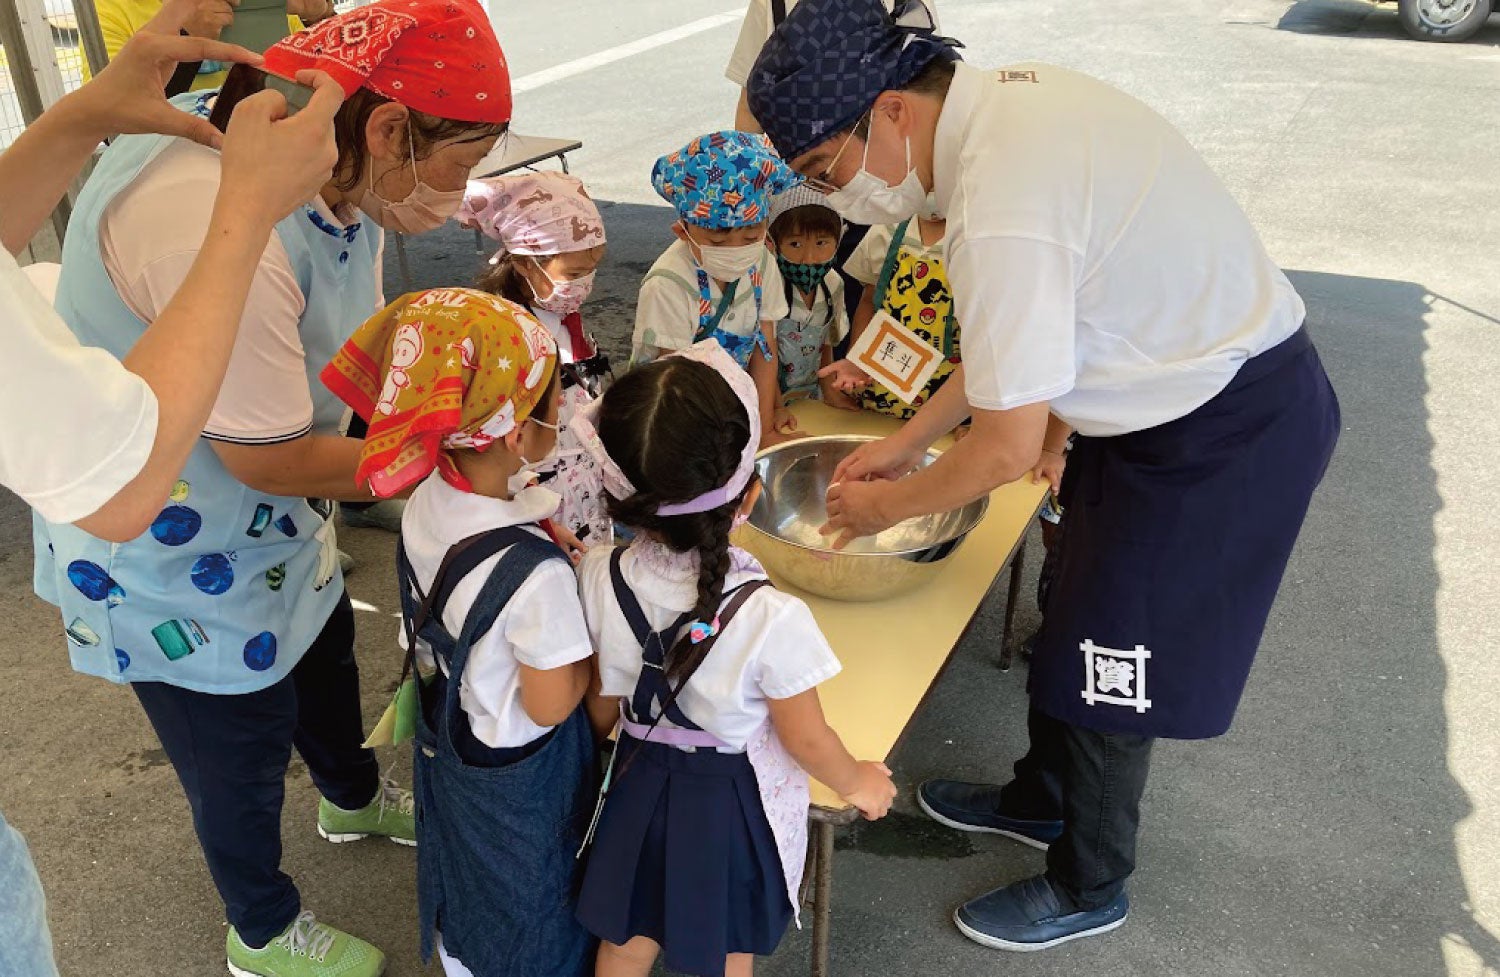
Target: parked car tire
[1444,20]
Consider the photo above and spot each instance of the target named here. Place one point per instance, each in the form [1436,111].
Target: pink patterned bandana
[534,213]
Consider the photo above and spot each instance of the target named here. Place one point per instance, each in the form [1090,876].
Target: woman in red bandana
[229,619]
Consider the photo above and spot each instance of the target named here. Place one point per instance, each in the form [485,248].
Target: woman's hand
[845,376]
[301,148]
[1049,466]
[857,509]
[209,18]
[874,791]
[126,97]
[310,11]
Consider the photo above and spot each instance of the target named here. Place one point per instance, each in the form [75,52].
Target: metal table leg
[821,838]
[1013,591]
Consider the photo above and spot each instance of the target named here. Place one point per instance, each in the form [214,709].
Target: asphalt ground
[1348,825]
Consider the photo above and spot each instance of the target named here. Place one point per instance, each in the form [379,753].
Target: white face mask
[526,475]
[567,296]
[725,263]
[424,209]
[867,199]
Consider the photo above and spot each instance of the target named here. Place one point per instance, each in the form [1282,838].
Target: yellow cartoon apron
[913,288]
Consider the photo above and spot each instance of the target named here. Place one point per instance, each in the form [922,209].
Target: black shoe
[1026,916]
[975,807]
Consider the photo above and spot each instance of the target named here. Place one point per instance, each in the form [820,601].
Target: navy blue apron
[1172,547]
[498,830]
[684,854]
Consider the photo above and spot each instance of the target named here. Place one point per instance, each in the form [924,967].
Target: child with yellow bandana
[460,388]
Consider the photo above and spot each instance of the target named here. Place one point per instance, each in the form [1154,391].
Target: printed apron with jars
[913,289]
[724,876]
[229,586]
[800,339]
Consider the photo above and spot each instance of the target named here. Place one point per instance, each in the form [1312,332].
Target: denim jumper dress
[498,829]
[692,849]
[230,586]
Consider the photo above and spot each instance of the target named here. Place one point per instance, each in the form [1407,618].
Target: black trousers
[1092,782]
[231,754]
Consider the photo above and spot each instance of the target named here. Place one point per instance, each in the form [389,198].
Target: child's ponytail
[677,430]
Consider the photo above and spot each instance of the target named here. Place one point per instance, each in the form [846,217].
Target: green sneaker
[307,948]
[390,815]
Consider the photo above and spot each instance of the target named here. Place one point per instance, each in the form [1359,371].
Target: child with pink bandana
[551,242]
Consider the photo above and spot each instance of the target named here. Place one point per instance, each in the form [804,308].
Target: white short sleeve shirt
[81,425]
[542,626]
[868,258]
[772,649]
[1096,262]
[666,316]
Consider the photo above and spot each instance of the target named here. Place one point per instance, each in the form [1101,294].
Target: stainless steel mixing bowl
[783,528]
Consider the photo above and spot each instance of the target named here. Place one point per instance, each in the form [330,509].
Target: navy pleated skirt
[684,855]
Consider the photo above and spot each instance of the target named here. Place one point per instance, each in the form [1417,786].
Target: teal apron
[228,588]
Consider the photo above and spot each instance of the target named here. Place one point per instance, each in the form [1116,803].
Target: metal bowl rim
[932,453]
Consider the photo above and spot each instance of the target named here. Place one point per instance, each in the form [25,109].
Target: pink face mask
[567,295]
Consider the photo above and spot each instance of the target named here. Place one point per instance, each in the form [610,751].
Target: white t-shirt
[772,649]
[149,238]
[868,257]
[1096,262]
[80,426]
[757,27]
[666,313]
[542,625]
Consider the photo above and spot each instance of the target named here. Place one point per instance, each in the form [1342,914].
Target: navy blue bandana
[830,59]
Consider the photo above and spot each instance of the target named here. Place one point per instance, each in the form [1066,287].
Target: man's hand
[888,458]
[126,97]
[857,509]
[273,164]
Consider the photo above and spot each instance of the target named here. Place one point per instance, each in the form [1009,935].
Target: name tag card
[894,355]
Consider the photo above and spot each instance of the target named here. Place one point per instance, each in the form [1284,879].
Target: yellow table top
[894,650]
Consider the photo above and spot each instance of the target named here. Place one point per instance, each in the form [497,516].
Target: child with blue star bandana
[717,280]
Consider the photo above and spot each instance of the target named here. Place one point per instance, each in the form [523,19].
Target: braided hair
[677,430]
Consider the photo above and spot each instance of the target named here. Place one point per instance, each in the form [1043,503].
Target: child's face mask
[727,264]
[803,277]
[567,295]
[527,473]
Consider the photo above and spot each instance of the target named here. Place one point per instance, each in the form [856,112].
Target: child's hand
[845,376]
[1049,467]
[961,432]
[783,421]
[873,790]
[570,543]
[769,439]
[836,398]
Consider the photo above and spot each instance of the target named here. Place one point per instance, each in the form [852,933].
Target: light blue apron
[230,586]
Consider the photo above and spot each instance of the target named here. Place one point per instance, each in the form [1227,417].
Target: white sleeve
[666,317]
[795,656]
[864,263]
[753,34]
[773,304]
[840,326]
[544,624]
[81,425]
[1015,299]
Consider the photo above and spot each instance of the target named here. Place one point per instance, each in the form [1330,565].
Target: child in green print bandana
[804,236]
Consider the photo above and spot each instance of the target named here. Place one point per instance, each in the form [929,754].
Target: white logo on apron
[1115,676]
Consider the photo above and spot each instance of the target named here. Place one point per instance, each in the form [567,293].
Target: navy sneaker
[1026,916]
[976,807]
